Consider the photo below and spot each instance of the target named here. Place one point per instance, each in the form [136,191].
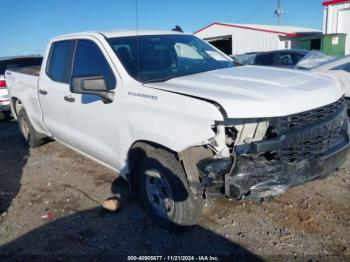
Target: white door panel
[53,87]
[92,128]
[92,125]
[53,104]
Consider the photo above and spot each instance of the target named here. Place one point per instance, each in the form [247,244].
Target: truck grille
[296,121]
[309,134]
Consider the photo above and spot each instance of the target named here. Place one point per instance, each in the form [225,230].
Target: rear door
[54,89]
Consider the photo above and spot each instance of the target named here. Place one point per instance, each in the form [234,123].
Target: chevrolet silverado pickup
[174,117]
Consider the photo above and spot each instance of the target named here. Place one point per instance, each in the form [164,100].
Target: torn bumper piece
[262,179]
[258,180]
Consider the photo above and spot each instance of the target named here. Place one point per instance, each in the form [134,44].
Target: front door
[93,124]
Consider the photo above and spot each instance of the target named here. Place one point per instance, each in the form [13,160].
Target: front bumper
[269,178]
[312,150]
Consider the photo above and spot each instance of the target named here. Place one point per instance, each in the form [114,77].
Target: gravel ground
[308,222]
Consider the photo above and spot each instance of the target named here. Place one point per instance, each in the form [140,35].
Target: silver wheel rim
[24,128]
[159,193]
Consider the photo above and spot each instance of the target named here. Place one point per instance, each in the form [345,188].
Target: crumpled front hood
[253,91]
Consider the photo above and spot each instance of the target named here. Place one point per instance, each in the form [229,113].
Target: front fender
[172,120]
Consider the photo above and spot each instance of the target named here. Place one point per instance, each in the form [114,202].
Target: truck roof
[121,33]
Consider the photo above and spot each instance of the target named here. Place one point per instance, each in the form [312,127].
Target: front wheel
[165,192]
[31,137]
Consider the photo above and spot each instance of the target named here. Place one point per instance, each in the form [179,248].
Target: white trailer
[234,39]
[336,19]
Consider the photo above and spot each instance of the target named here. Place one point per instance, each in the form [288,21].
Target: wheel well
[139,150]
[188,158]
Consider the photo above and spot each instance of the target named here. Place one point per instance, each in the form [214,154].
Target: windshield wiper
[164,79]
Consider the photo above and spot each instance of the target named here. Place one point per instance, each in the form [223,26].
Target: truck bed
[30,70]
[22,84]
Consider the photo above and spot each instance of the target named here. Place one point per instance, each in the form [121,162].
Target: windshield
[162,57]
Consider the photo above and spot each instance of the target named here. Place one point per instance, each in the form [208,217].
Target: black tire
[185,209]
[31,137]
[2,116]
[5,115]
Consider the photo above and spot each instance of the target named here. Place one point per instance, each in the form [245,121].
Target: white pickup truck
[174,117]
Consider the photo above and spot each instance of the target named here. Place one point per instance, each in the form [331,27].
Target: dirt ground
[308,222]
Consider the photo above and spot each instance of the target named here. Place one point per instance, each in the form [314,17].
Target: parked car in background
[10,63]
[340,68]
[174,117]
[314,59]
[287,58]
[244,59]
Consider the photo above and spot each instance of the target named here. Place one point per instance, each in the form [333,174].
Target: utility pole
[278,11]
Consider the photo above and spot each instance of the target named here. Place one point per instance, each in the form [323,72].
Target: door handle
[69,99]
[42,92]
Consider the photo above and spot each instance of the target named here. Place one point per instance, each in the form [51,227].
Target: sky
[27,25]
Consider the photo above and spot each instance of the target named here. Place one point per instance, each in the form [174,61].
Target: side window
[265,59]
[296,58]
[90,61]
[285,59]
[59,64]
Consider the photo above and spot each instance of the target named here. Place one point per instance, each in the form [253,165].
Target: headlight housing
[215,168]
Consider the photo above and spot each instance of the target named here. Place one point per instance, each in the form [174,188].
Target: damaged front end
[258,158]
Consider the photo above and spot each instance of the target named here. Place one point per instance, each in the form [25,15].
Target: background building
[336,23]
[243,38]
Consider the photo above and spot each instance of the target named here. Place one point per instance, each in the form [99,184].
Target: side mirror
[93,85]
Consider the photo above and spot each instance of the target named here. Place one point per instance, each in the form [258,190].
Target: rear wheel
[5,115]
[2,116]
[31,137]
[165,192]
